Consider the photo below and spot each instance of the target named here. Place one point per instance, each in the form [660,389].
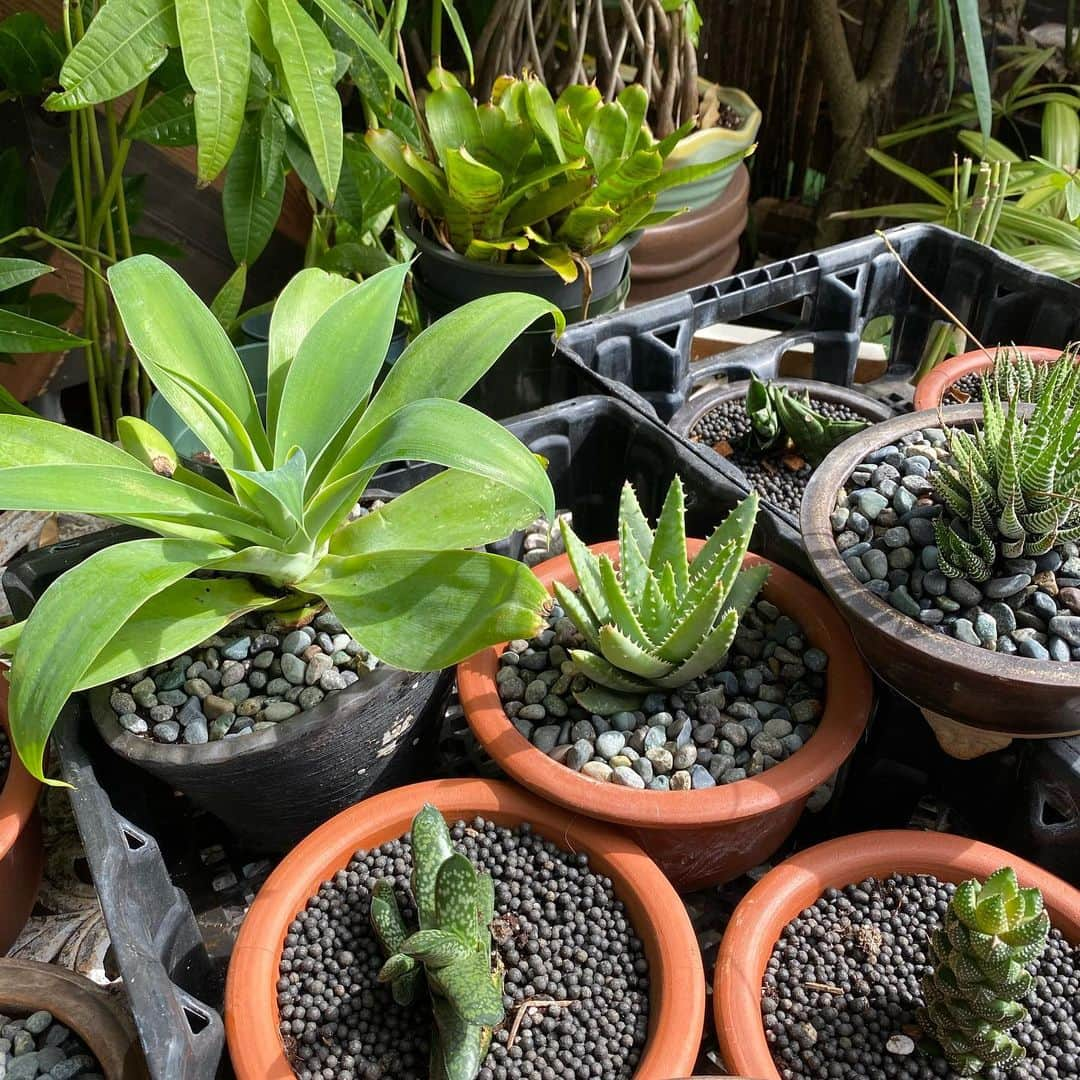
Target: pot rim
[19,793]
[800,880]
[677,980]
[934,649]
[849,695]
[932,387]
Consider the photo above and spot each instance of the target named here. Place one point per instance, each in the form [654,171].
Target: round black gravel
[562,935]
[5,757]
[842,989]
[968,388]
[780,476]
[730,117]
[40,1046]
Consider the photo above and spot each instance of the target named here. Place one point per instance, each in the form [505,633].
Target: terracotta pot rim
[797,882]
[18,796]
[849,694]
[677,991]
[932,387]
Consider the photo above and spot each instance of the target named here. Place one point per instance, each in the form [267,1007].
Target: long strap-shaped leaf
[76,618]
[30,440]
[362,34]
[21,334]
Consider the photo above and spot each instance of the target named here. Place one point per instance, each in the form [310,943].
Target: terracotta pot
[677,991]
[1011,695]
[21,855]
[89,1011]
[698,838]
[693,248]
[800,881]
[930,392]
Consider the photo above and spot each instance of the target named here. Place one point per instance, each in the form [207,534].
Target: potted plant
[630,909]
[280,544]
[674,705]
[778,431]
[872,891]
[958,380]
[57,1020]
[945,539]
[21,855]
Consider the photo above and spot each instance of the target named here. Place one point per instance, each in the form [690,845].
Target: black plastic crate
[173,884]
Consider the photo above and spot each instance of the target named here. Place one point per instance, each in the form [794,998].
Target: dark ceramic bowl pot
[1011,696]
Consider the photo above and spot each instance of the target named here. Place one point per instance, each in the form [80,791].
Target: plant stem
[436,33]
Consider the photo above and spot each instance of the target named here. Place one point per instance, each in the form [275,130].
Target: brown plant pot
[698,838]
[693,248]
[799,882]
[21,854]
[1011,695]
[932,388]
[89,1011]
[677,981]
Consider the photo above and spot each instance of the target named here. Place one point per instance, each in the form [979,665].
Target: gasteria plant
[398,578]
[529,178]
[1013,488]
[977,975]
[659,620]
[455,905]
[777,416]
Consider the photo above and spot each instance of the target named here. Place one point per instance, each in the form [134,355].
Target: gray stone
[332,681]
[626,777]
[316,668]
[1058,649]
[680,781]
[701,778]
[815,659]
[293,668]
[684,757]
[579,753]
[1066,627]
[546,737]
[1030,648]
[733,776]
[122,703]
[200,688]
[986,629]
[610,743]
[72,1067]
[22,1042]
[896,537]
[964,631]
[963,592]
[533,712]
[277,711]
[903,601]
[167,731]
[174,698]
[623,721]
[921,532]
[644,768]
[661,758]
[1004,617]
[597,770]
[277,687]
[876,563]
[1043,606]
[232,672]
[56,1035]
[296,641]
[172,679]
[309,697]
[215,706]
[24,1067]
[49,1057]
[901,558]
[196,732]
[870,503]
[999,588]
[220,727]
[237,650]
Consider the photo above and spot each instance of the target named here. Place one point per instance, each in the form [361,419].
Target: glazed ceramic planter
[677,990]
[799,882]
[698,838]
[21,855]
[88,1010]
[1011,696]
[932,388]
[694,248]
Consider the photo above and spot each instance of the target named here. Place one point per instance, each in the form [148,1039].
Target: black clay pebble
[561,933]
[37,1046]
[842,988]
[779,476]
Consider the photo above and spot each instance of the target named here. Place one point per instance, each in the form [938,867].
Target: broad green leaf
[1061,135]
[27,442]
[635,102]
[299,307]
[11,406]
[124,43]
[226,305]
[17,271]
[179,617]
[353,258]
[65,633]
[335,366]
[462,509]
[147,445]
[176,336]
[19,334]
[169,120]
[284,485]
[547,203]
[541,110]
[307,63]
[366,39]
[271,147]
[30,56]
[455,898]
[461,35]
[474,185]
[451,115]
[257,17]
[250,215]
[423,611]
[392,151]
[555,256]
[605,137]
[217,59]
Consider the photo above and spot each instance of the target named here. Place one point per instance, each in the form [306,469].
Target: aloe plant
[978,971]
[777,416]
[1012,488]
[452,948]
[526,177]
[400,578]
[659,619]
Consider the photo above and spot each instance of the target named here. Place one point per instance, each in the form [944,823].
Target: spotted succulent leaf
[386,918]
[458,1052]
[469,988]
[434,948]
[431,847]
[485,911]
[456,898]
[396,966]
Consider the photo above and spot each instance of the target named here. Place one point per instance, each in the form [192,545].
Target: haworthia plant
[659,619]
[402,579]
[978,973]
[452,948]
[1015,375]
[1013,487]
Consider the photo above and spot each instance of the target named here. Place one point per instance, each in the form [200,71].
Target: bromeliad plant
[659,620]
[399,578]
[452,948]
[978,974]
[778,417]
[529,178]
[1012,488]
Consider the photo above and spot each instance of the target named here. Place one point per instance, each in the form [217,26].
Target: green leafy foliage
[20,333]
[1016,375]
[1012,488]
[978,971]
[529,178]
[294,479]
[779,417]
[452,947]
[658,620]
